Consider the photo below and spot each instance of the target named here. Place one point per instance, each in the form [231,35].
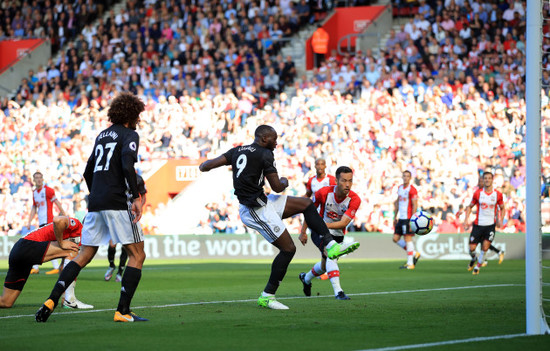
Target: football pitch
[212,306]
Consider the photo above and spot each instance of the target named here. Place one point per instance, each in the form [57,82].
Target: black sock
[122,262]
[278,271]
[67,276]
[130,281]
[494,249]
[111,251]
[316,223]
[473,255]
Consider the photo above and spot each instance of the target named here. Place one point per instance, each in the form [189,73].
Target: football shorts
[481,233]
[23,255]
[402,227]
[101,226]
[267,220]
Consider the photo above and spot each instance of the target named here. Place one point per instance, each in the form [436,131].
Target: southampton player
[55,240]
[250,164]
[114,206]
[43,199]
[490,214]
[320,180]
[405,206]
[337,205]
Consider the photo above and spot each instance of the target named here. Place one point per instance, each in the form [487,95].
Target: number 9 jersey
[250,164]
[110,173]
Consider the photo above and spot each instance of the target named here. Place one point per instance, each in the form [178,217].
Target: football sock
[67,276]
[69,293]
[55,264]
[123,259]
[111,251]
[480,258]
[35,266]
[334,275]
[316,271]
[130,281]
[316,224]
[401,242]
[410,253]
[494,249]
[278,271]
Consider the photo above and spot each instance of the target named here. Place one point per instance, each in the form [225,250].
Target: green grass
[380,314]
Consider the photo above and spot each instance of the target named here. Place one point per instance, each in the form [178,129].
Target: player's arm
[395,211]
[60,224]
[467,212]
[213,163]
[277,184]
[89,172]
[414,204]
[501,212]
[129,172]
[309,192]
[31,216]
[341,224]
[59,207]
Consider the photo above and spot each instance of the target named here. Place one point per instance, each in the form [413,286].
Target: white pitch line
[450,342]
[279,298]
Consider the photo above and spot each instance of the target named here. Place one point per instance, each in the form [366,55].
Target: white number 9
[241,164]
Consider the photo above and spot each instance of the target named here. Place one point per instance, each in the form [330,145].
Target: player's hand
[466,226]
[136,210]
[69,245]
[303,238]
[499,223]
[284,181]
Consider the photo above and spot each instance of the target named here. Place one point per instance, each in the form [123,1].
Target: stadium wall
[253,246]
[17,57]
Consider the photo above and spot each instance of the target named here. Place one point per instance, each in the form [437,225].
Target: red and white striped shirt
[43,199]
[314,184]
[333,210]
[487,204]
[405,200]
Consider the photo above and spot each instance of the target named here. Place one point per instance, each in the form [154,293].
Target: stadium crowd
[428,104]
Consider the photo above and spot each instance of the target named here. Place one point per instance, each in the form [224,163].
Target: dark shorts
[318,241]
[481,233]
[23,255]
[402,227]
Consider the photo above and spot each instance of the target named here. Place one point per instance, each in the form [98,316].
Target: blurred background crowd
[443,98]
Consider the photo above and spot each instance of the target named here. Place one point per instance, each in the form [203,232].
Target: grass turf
[212,305]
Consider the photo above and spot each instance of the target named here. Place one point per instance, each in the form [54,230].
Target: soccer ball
[421,223]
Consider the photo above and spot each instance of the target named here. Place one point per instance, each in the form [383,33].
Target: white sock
[69,293]
[410,252]
[334,275]
[401,243]
[331,243]
[36,266]
[316,271]
[480,258]
[264,294]
[55,264]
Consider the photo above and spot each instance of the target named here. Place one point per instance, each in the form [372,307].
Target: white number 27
[99,156]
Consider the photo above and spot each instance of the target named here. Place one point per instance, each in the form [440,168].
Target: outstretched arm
[213,163]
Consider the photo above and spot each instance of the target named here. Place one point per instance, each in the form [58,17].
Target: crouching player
[58,239]
[337,205]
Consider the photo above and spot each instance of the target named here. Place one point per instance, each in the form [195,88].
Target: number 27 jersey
[110,189]
[250,165]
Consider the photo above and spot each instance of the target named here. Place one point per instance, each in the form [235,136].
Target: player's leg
[318,269]
[295,205]
[121,264]
[70,300]
[484,247]
[399,240]
[500,253]
[410,250]
[9,296]
[94,234]
[474,241]
[333,272]
[111,251]
[55,270]
[267,221]
[123,230]
[20,263]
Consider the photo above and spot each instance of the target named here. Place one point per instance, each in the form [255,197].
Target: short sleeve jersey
[405,200]
[43,200]
[46,233]
[332,210]
[314,184]
[486,206]
[250,164]
[110,189]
